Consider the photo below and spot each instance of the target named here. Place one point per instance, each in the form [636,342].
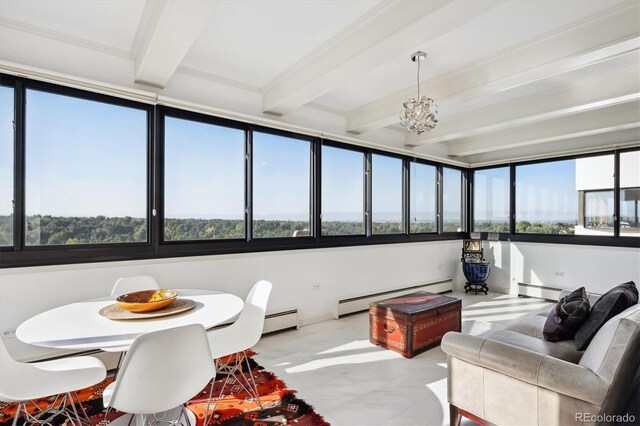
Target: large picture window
[88,177]
[85,171]
[281,186]
[567,197]
[451,200]
[204,181]
[6,165]
[422,197]
[342,192]
[491,200]
[386,194]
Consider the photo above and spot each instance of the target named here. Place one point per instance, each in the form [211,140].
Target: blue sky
[452,196]
[342,184]
[386,184]
[204,170]
[423,193]
[84,158]
[491,194]
[204,167]
[547,192]
[281,170]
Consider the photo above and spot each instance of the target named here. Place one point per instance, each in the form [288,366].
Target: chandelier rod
[418,80]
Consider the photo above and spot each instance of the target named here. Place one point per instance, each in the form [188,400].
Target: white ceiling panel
[254,41]
[508,75]
[505,26]
[113,23]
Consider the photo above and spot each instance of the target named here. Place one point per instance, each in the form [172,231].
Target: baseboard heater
[282,320]
[539,291]
[361,303]
[274,321]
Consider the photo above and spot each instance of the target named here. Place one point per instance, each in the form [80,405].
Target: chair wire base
[233,371]
[66,407]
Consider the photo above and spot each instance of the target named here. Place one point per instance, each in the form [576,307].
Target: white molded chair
[240,336]
[23,382]
[126,285]
[161,371]
[130,284]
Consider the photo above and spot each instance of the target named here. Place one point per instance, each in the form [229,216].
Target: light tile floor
[349,381]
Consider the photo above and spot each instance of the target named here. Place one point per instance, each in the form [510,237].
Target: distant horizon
[285,219]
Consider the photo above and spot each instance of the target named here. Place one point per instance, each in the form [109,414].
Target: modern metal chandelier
[420,114]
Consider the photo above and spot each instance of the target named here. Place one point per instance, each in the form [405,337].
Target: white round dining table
[79,326]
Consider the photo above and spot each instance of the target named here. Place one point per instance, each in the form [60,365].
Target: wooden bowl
[147,300]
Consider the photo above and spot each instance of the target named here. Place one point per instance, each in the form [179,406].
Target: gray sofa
[515,377]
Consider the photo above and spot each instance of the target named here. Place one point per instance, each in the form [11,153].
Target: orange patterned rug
[280,406]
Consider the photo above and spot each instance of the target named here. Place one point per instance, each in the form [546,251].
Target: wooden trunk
[413,323]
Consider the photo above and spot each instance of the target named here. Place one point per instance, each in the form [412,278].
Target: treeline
[526,227]
[56,230]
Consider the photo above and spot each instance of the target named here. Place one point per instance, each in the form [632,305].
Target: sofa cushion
[609,305]
[517,335]
[569,314]
[612,339]
[593,297]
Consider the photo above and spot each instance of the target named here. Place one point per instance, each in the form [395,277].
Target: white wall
[341,272]
[561,265]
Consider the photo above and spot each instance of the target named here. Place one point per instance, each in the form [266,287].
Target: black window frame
[403,196]
[15,238]
[437,194]
[465,195]
[156,247]
[472,188]
[313,178]
[617,196]
[605,240]
[365,185]
[22,255]
[162,113]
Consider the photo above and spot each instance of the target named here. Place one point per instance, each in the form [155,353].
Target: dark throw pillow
[609,305]
[567,317]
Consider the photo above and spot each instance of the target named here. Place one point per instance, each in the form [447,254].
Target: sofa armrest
[572,380]
[529,366]
[507,359]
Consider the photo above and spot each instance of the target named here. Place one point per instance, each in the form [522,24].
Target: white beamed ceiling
[512,79]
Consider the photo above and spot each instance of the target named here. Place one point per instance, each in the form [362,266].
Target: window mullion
[470,201]
[406,219]
[512,199]
[315,190]
[439,201]
[155,185]
[616,194]
[368,195]
[19,220]
[248,179]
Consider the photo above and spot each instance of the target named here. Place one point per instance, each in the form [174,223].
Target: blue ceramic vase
[476,272]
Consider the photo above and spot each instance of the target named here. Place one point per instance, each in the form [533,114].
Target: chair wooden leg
[454,415]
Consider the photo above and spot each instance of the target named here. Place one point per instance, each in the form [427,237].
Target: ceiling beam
[168,30]
[582,145]
[610,119]
[388,30]
[590,42]
[614,90]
